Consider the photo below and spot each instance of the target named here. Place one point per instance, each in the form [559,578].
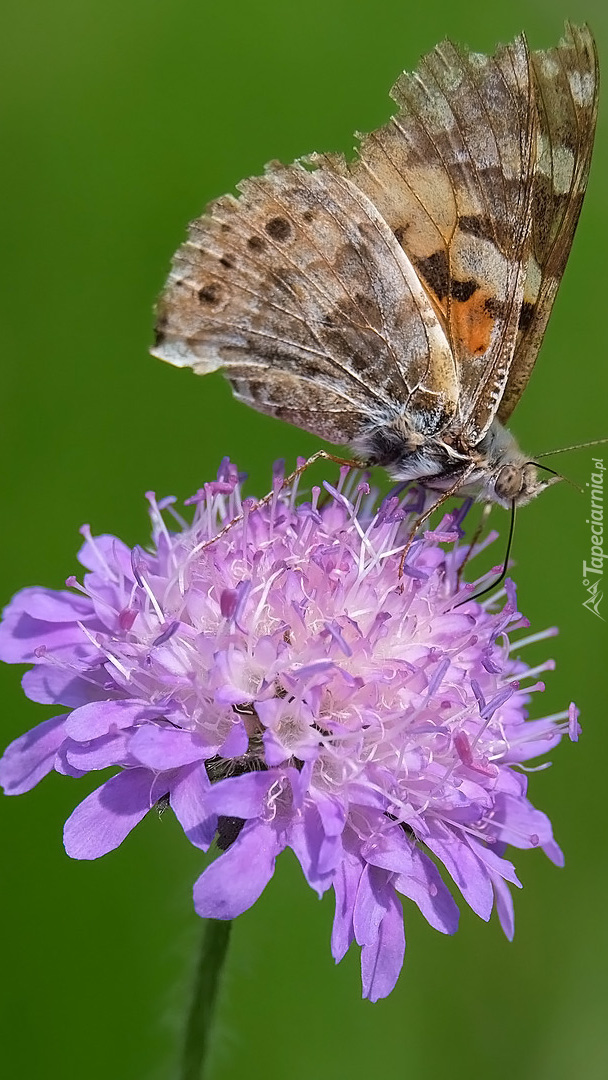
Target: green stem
[204,994]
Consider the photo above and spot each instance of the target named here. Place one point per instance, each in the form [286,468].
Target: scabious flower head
[280,684]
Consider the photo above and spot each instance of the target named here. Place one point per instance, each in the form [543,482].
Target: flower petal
[345,883]
[160,747]
[102,821]
[504,905]
[99,718]
[31,756]
[416,877]
[241,796]
[381,962]
[98,753]
[189,801]
[51,605]
[236,741]
[21,636]
[105,555]
[371,904]
[237,878]
[423,884]
[466,871]
[515,821]
[50,684]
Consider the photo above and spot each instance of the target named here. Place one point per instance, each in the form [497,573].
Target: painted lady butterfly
[397,302]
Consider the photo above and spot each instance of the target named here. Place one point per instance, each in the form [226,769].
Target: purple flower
[280,685]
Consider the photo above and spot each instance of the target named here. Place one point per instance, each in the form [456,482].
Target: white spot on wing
[481,260]
[582,87]
[533,279]
[556,162]
[477,60]
[180,354]
[547,64]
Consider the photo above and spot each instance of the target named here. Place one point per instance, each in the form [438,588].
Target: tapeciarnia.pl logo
[593,571]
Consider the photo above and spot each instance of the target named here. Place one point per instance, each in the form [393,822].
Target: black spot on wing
[463,290]
[495,308]
[476,225]
[209,294]
[278,229]
[526,315]
[435,272]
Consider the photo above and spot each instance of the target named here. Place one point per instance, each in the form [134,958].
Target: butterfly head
[503,474]
[516,483]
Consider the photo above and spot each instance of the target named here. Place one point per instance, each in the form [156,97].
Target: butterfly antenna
[577,446]
[505,565]
[559,475]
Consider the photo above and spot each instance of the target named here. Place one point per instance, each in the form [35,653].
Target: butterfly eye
[509,482]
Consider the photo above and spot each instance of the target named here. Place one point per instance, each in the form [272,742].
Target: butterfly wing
[299,290]
[566,82]
[417,278]
[451,173]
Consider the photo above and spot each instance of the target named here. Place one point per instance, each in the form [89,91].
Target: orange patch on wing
[472,322]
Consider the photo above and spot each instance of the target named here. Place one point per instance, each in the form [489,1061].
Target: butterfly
[396,302]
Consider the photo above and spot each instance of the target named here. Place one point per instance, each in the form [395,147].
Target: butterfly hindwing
[299,290]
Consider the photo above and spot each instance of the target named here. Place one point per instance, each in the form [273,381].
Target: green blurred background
[120,119]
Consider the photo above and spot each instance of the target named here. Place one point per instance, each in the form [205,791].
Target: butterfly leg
[320,455]
[478,531]
[427,513]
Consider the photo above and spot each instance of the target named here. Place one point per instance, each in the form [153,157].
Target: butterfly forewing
[566,82]
[451,174]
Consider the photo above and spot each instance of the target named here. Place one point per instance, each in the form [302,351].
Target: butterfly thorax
[495,470]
